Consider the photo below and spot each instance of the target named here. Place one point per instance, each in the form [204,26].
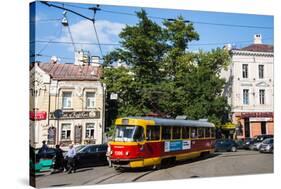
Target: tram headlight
[127,153]
[111,152]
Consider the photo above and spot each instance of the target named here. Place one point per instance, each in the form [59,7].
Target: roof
[175,122]
[258,48]
[71,71]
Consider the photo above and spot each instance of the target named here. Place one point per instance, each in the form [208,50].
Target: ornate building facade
[66,104]
[249,88]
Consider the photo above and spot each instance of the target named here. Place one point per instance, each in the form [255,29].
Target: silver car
[267,145]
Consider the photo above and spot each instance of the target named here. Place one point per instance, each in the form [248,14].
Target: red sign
[37,115]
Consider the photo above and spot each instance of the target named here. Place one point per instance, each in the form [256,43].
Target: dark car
[226,145]
[247,142]
[50,154]
[258,140]
[267,145]
[91,155]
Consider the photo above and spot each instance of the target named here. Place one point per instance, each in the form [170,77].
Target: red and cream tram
[149,141]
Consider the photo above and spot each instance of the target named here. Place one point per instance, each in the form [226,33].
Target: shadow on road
[58,185]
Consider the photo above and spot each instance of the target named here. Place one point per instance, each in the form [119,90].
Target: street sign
[58,113]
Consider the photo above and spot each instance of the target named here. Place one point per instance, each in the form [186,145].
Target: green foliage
[162,76]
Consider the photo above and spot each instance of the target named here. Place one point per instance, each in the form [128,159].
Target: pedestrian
[43,150]
[108,155]
[59,160]
[71,159]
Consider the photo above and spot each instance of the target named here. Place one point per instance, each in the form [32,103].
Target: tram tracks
[123,174]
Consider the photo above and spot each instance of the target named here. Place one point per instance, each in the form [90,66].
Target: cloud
[84,32]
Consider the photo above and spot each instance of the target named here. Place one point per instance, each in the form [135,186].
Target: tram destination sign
[77,115]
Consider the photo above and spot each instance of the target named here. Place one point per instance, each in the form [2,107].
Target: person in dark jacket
[59,159]
[43,150]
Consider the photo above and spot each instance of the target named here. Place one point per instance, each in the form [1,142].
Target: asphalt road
[220,164]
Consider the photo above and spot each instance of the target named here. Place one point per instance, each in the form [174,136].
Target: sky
[215,28]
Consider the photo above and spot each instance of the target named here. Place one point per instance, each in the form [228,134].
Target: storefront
[255,123]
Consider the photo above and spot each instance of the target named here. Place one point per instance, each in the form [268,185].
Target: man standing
[71,159]
[59,159]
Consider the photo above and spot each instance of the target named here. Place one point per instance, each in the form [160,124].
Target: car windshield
[128,133]
[78,148]
[268,141]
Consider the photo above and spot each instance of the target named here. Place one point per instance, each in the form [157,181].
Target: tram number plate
[118,153]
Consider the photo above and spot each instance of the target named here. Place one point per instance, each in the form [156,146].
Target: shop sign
[37,115]
[77,115]
[256,114]
[258,119]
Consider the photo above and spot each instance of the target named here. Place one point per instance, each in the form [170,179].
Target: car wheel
[233,149]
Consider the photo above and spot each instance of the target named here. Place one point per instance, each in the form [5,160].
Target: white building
[249,88]
[77,91]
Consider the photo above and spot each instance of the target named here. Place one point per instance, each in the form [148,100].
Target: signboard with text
[177,145]
[37,115]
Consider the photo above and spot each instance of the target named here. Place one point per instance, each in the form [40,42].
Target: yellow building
[76,91]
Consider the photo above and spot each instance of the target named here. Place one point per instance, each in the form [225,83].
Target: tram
[150,141]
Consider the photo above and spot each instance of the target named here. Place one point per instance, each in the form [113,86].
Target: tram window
[166,133]
[200,132]
[153,132]
[176,132]
[213,132]
[207,132]
[185,132]
[194,133]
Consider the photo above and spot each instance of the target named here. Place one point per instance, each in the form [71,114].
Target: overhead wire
[58,34]
[162,18]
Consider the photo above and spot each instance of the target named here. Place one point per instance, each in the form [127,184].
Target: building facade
[66,104]
[249,88]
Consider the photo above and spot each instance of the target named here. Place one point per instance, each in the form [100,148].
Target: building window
[90,100]
[153,133]
[90,128]
[245,96]
[261,71]
[245,70]
[66,99]
[262,96]
[65,131]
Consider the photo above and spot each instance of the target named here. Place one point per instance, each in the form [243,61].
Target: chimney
[82,57]
[95,61]
[257,39]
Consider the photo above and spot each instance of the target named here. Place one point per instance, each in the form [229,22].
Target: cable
[196,22]
[58,34]
[95,9]
[117,44]
[162,18]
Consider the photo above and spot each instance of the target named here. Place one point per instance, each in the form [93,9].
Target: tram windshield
[126,133]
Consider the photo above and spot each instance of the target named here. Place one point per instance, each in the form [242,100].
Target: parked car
[247,142]
[226,145]
[39,163]
[267,145]
[91,155]
[258,140]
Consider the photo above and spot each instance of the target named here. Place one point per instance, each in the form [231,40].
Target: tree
[161,76]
